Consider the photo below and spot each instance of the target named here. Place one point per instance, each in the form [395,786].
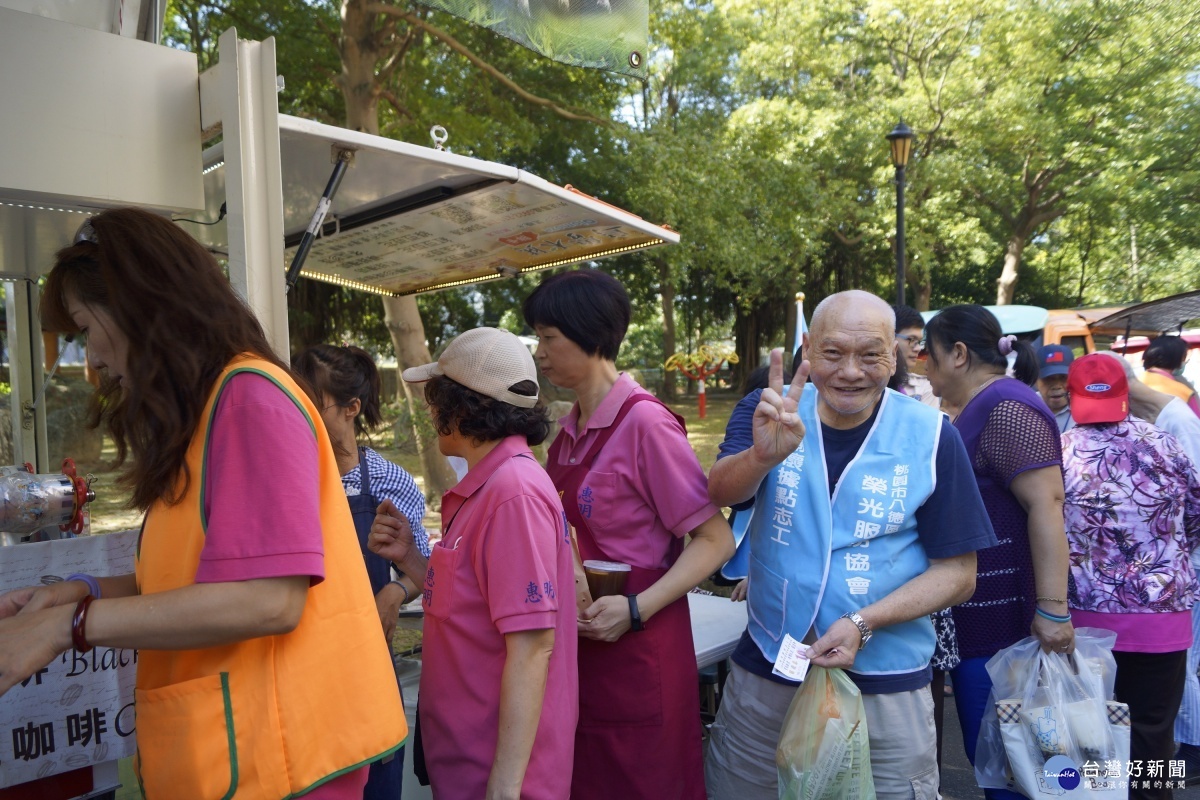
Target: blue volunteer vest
[814,557]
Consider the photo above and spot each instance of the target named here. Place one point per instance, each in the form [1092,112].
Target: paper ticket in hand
[793,659]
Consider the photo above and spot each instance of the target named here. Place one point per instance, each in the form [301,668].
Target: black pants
[1152,685]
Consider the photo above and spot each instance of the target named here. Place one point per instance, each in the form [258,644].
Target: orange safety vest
[275,716]
[1166,383]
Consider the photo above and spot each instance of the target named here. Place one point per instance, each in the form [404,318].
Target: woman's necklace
[974,392]
[981,387]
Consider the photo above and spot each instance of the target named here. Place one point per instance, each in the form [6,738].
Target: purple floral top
[1132,516]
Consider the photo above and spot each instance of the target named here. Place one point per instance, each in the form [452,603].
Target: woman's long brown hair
[184,323]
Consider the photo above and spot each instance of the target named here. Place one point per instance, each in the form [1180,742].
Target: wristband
[1052,617]
[403,588]
[78,623]
[92,584]
[635,616]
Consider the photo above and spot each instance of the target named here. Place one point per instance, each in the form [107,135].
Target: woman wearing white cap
[499,688]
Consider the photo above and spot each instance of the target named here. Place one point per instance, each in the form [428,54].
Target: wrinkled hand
[838,647]
[1055,637]
[391,534]
[606,620]
[739,592]
[35,598]
[30,641]
[778,430]
[388,603]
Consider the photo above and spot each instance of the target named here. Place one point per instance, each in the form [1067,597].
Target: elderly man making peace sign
[867,519]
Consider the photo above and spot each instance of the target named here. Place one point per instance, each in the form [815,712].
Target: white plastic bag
[824,752]
[1059,730]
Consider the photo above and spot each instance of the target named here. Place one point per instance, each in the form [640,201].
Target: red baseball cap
[1099,391]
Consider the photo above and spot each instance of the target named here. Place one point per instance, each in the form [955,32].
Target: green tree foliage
[1056,159]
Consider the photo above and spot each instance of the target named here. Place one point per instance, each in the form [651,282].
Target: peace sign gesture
[778,430]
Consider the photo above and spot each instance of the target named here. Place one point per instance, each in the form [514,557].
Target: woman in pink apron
[632,488]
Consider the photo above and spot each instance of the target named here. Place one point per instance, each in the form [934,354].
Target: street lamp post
[901,139]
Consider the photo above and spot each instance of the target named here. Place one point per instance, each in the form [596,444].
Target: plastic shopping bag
[823,751]
[1059,731]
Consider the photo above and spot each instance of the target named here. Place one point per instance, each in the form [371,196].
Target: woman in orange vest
[346,386]
[1162,358]
[261,670]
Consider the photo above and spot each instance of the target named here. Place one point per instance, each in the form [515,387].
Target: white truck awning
[409,219]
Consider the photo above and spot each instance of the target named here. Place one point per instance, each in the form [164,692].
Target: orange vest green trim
[275,716]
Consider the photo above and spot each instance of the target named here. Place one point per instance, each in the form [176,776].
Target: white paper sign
[793,659]
[78,711]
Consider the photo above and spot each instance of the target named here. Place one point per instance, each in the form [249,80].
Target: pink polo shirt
[645,487]
[503,565]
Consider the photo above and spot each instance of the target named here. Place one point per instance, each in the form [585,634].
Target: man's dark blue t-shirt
[950,523]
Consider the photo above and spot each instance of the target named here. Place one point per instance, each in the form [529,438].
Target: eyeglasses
[917,342]
[86,233]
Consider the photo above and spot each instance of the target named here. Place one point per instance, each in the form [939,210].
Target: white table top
[717,624]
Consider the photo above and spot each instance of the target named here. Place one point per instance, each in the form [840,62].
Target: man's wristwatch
[864,630]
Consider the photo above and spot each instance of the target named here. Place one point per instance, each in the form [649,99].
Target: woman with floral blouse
[1132,518]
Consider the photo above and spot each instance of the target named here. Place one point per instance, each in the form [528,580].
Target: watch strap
[635,615]
[864,630]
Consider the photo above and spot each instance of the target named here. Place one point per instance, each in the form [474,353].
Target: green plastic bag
[823,751]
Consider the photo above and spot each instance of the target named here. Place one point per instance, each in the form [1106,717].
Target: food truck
[98,115]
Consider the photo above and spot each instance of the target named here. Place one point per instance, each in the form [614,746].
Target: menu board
[501,228]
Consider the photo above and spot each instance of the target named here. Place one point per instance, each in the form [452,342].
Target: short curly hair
[481,418]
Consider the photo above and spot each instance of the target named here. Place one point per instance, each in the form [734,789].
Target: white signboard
[78,711]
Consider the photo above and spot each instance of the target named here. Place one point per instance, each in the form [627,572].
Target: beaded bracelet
[1051,600]
[1052,617]
[78,622]
[403,588]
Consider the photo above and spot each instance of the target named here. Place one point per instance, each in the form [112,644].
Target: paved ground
[958,777]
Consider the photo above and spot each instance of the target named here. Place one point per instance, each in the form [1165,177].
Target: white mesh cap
[486,360]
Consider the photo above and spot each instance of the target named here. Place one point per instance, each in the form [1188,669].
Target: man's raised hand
[778,430]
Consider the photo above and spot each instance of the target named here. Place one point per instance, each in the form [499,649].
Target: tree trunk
[1135,265]
[1006,286]
[666,288]
[360,56]
[408,339]
[747,335]
[923,293]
